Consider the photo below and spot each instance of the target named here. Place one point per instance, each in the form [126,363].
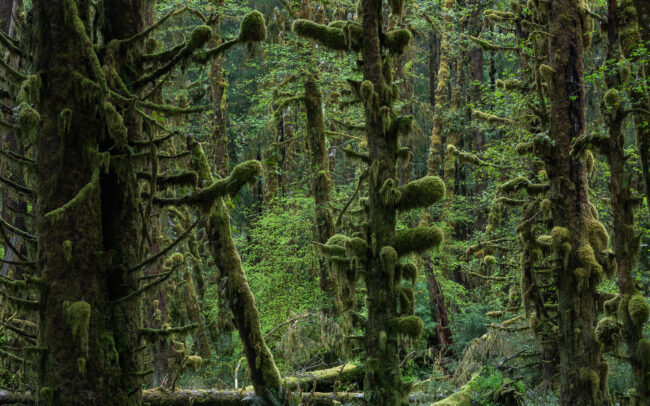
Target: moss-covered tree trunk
[263,371]
[320,186]
[578,273]
[631,308]
[78,358]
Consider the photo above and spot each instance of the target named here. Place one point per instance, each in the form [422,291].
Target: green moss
[409,326]
[67,250]
[417,239]
[559,235]
[611,306]
[547,73]
[524,148]
[389,259]
[638,309]
[588,259]
[193,362]
[48,394]
[398,40]
[81,365]
[406,301]
[612,98]
[514,184]
[485,45]
[420,193]
[28,119]
[200,35]
[409,272]
[331,36]
[367,89]
[608,333]
[591,378]
[115,124]
[252,27]
[357,248]
[643,353]
[77,317]
[597,235]
[489,260]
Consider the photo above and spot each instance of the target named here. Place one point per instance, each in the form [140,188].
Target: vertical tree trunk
[79,361]
[321,185]
[578,272]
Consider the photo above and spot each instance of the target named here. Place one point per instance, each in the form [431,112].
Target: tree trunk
[578,272]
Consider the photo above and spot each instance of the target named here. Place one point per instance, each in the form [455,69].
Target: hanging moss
[638,309]
[559,235]
[366,90]
[608,333]
[331,35]
[524,148]
[612,98]
[115,123]
[193,362]
[520,182]
[252,27]
[597,235]
[611,306]
[357,248]
[67,250]
[547,73]
[409,326]
[77,317]
[420,193]
[417,239]
[389,260]
[409,272]
[406,301]
[489,260]
[588,259]
[485,45]
[398,40]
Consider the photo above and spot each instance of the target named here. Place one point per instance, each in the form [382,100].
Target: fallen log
[461,398]
[203,397]
[325,378]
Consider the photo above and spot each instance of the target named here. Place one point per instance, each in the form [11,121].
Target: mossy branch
[420,193]
[338,35]
[242,174]
[17,158]
[15,75]
[145,33]
[339,217]
[21,303]
[165,250]
[163,277]
[152,333]
[417,239]
[17,187]
[596,141]
[15,230]
[354,155]
[490,119]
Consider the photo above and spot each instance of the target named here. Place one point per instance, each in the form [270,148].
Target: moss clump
[193,362]
[67,250]
[520,182]
[612,98]
[357,248]
[485,45]
[397,40]
[115,124]
[28,118]
[588,259]
[389,260]
[81,365]
[597,235]
[524,148]
[559,235]
[409,272]
[417,239]
[77,317]
[331,36]
[643,353]
[420,193]
[367,89]
[638,309]
[611,306]
[410,326]
[489,260]
[608,333]
[199,37]
[547,73]
[406,301]
[252,27]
